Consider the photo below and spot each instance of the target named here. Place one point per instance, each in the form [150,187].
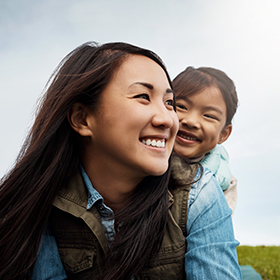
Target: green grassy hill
[264,259]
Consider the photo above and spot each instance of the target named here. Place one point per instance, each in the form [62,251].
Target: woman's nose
[163,118]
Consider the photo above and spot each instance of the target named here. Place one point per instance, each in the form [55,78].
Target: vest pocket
[76,249]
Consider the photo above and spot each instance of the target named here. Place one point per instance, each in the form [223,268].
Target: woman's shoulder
[182,172]
[194,175]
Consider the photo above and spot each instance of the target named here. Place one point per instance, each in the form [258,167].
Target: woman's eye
[181,106]
[143,95]
[169,102]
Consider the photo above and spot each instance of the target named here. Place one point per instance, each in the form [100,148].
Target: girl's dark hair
[49,157]
[192,81]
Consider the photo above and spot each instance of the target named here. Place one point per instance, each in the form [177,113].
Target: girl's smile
[188,137]
[202,118]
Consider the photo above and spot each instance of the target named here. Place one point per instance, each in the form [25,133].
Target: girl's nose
[190,121]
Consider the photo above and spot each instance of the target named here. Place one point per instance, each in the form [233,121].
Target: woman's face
[134,128]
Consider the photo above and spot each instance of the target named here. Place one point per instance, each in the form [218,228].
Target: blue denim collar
[93,194]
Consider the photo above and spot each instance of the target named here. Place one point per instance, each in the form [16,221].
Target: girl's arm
[211,246]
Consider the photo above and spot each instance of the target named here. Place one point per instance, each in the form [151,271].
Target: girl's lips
[185,141]
[187,136]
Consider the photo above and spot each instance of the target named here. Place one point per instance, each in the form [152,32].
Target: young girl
[88,197]
[206,102]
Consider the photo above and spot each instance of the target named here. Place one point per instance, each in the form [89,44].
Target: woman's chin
[160,170]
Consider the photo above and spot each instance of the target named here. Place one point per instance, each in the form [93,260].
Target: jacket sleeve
[48,265]
[231,194]
[211,246]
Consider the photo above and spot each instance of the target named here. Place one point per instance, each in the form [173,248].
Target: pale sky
[240,37]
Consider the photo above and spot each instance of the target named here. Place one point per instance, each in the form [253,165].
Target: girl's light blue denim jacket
[211,245]
[217,160]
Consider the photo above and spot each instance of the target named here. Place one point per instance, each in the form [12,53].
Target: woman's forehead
[139,68]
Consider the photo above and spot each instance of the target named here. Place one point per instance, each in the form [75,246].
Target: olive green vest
[82,243]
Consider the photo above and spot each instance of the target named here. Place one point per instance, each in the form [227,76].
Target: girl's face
[134,128]
[202,119]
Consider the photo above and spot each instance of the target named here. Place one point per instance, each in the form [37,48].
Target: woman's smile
[137,107]
[154,143]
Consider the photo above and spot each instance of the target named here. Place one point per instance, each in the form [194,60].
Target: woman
[89,192]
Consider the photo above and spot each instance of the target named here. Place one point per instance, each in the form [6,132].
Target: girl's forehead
[207,90]
[209,96]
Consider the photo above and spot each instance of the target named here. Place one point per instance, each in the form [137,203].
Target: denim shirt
[211,246]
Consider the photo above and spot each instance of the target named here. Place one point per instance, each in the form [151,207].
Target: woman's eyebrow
[151,87]
[169,90]
[147,85]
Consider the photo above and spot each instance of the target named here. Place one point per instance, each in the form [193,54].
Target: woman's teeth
[154,143]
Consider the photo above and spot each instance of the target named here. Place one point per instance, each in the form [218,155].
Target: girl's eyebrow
[209,107]
[151,87]
[214,109]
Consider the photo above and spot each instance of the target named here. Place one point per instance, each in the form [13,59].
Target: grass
[264,259]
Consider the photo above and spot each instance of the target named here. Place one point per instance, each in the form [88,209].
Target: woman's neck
[114,187]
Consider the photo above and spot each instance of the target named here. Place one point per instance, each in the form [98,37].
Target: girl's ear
[78,119]
[224,135]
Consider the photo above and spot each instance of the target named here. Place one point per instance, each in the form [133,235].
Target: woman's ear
[78,119]
[224,135]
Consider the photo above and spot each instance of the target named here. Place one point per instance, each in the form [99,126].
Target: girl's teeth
[154,143]
[188,138]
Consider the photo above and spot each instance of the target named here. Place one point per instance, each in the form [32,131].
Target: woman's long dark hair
[51,154]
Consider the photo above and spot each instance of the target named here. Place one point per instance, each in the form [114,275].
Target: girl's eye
[143,95]
[210,117]
[181,106]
